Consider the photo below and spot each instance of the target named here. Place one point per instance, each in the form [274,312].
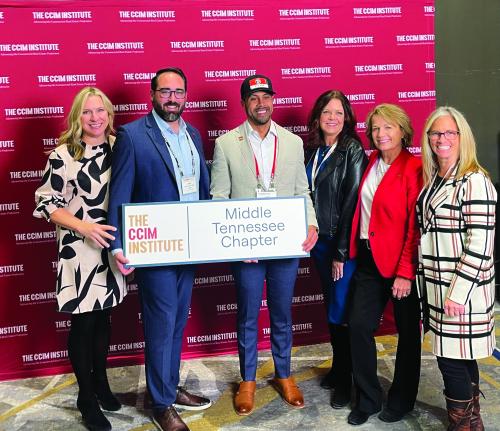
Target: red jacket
[393,230]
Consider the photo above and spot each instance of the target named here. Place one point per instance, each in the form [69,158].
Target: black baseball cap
[256,83]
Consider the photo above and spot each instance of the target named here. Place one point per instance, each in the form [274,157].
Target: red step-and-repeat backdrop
[374,51]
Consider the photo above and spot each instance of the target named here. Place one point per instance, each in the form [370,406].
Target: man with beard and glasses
[260,159]
[159,158]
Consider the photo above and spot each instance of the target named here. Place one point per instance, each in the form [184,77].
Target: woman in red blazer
[384,241]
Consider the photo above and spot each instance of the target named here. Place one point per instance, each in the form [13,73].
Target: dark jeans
[458,376]
[339,334]
[371,292]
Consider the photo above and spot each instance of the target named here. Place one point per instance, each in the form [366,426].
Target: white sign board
[172,233]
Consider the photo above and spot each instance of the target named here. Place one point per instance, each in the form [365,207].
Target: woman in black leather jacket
[335,162]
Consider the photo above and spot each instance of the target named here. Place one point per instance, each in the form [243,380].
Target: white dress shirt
[368,190]
[263,150]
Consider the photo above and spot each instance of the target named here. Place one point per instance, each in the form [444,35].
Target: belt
[365,243]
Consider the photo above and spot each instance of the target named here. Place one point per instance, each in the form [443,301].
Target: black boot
[459,414]
[106,398]
[100,381]
[80,354]
[92,416]
[341,396]
[341,365]
[328,381]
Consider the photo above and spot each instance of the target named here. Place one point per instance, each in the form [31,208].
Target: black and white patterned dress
[87,276]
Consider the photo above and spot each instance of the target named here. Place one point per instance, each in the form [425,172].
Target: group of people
[416,231]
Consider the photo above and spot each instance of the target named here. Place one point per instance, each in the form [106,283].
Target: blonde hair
[392,114]
[72,136]
[467,161]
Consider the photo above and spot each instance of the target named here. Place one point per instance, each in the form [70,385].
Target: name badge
[262,194]
[188,184]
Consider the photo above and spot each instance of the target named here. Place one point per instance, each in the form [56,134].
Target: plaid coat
[457,227]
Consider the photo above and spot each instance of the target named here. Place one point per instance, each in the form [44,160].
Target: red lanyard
[274,160]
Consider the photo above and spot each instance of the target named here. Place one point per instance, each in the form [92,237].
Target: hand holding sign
[214,231]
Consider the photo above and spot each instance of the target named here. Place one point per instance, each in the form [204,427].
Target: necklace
[436,184]
[431,193]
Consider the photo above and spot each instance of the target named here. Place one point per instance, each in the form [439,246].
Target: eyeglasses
[449,134]
[165,93]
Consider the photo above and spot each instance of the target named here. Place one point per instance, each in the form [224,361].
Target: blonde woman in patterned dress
[74,196]
[456,277]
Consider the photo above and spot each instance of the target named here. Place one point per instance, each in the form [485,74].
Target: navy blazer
[142,170]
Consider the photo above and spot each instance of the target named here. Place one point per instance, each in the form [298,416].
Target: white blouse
[368,190]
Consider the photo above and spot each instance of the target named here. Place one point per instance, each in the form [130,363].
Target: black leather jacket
[336,193]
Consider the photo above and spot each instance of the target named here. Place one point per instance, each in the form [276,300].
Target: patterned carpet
[48,403]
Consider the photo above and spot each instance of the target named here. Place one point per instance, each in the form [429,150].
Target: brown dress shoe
[244,398]
[187,401]
[289,391]
[169,420]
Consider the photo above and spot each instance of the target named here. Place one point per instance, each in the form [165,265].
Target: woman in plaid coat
[456,212]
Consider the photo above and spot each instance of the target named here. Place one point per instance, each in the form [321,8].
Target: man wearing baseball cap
[260,159]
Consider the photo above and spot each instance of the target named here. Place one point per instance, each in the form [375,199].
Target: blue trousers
[280,275]
[165,298]
[335,292]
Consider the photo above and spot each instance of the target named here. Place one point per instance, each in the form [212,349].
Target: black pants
[458,376]
[371,292]
[88,345]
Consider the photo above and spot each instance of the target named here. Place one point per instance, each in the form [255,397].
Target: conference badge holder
[188,184]
[262,193]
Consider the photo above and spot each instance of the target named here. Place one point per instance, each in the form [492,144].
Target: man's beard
[169,117]
[258,120]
